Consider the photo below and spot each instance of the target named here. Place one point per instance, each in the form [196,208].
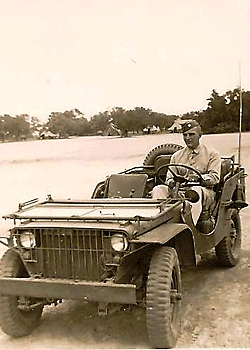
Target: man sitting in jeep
[202,158]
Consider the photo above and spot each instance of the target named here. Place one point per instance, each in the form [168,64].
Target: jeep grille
[83,254]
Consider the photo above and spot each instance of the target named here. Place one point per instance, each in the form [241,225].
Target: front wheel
[228,250]
[18,315]
[164,298]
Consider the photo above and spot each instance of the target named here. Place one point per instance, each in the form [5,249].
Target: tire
[164,298]
[13,320]
[99,190]
[168,148]
[228,250]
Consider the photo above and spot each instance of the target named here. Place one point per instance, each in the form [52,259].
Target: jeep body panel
[162,234]
[178,235]
[204,242]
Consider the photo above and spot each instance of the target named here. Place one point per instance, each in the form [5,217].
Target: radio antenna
[240,115]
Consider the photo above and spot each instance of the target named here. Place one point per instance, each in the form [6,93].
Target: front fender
[177,235]
[162,234]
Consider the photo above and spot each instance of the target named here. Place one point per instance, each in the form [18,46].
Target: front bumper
[65,289]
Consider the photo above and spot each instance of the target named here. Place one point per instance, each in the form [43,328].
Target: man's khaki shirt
[204,159]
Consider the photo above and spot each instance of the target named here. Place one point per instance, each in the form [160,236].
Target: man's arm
[214,167]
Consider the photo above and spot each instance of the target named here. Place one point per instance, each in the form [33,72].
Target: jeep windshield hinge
[25,204]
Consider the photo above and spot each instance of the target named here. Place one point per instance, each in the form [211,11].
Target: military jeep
[119,247]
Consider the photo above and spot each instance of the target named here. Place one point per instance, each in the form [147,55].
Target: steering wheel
[181,173]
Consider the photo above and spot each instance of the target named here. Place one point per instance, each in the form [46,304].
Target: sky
[93,55]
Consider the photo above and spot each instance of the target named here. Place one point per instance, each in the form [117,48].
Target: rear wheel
[228,250]
[18,315]
[164,298]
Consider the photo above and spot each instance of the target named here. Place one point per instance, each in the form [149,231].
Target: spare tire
[167,148]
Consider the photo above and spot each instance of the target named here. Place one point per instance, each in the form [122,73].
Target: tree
[16,128]
[67,123]
[215,112]
[246,110]
[35,124]
[222,113]
[99,122]
[83,127]
[121,119]
[162,120]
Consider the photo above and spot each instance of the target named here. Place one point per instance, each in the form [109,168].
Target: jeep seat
[126,186]
[161,160]
[226,166]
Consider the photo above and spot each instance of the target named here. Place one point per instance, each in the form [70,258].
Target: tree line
[220,116]
[223,111]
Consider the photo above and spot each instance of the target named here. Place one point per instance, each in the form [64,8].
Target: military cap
[189,125]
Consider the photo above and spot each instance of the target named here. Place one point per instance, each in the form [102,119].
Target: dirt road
[215,309]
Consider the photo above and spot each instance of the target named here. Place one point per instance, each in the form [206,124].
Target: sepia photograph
[124,162]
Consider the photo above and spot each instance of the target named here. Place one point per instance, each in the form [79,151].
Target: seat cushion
[226,165]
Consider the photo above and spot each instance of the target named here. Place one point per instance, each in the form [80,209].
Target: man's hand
[206,181]
[170,183]
[194,178]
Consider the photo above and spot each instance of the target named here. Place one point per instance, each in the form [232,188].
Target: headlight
[27,239]
[119,242]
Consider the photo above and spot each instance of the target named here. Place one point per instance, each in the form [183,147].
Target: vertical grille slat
[72,274]
[90,251]
[60,265]
[54,254]
[77,254]
[97,249]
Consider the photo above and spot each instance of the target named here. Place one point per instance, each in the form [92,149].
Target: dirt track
[215,309]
